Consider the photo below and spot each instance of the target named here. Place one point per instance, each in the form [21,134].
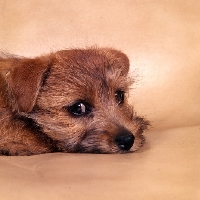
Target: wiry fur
[34,95]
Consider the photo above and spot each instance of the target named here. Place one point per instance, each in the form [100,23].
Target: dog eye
[79,108]
[119,96]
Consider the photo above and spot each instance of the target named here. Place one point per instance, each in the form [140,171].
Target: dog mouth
[104,144]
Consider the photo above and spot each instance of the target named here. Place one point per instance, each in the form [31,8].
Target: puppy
[68,101]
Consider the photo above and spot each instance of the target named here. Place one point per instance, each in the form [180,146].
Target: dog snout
[125,141]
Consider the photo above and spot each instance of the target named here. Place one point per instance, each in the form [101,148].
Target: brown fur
[37,98]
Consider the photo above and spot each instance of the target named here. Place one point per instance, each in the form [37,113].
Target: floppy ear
[119,58]
[24,80]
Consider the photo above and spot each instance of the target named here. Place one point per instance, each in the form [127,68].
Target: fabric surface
[166,168]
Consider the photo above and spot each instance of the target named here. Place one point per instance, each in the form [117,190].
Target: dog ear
[24,80]
[119,58]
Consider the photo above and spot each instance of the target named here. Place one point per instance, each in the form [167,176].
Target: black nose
[125,141]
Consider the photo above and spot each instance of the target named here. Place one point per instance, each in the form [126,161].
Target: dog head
[79,99]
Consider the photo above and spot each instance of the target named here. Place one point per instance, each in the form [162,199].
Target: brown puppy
[68,101]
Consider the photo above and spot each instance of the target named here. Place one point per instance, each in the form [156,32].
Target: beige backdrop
[162,40]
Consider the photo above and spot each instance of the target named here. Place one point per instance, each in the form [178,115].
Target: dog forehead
[86,74]
[86,68]
[94,59]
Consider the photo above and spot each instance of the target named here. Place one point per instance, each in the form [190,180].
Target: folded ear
[24,80]
[119,58]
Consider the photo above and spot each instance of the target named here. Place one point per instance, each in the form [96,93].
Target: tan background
[162,40]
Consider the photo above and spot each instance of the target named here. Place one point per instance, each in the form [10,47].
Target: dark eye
[119,96]
[79,108]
